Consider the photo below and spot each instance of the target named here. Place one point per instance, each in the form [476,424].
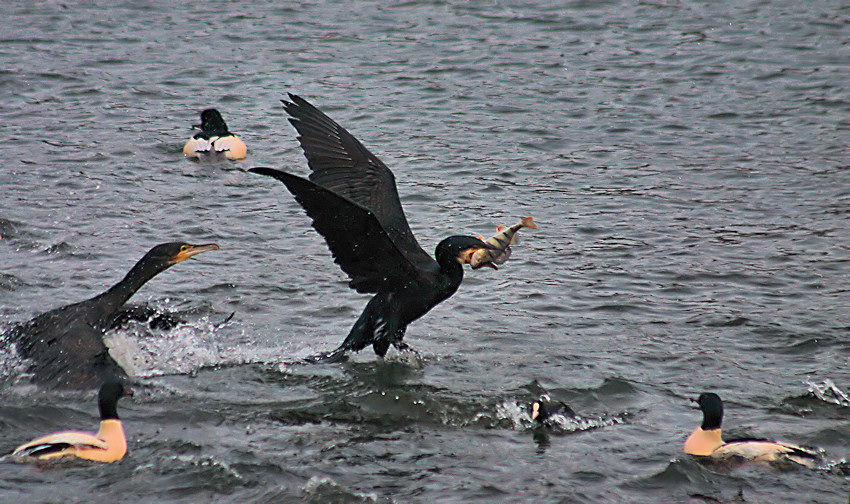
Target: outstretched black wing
[341,163]
[66,348]
[358,242]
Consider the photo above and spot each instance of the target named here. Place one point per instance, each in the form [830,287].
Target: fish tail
[529,223]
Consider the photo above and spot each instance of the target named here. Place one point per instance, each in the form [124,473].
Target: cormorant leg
[381,347]
[404,347]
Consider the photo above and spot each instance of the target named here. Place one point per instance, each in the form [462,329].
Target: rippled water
[687,163]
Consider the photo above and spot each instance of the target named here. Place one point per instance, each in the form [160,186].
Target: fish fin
[500,229]
[529,223]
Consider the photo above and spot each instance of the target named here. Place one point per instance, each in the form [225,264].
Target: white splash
[827,391]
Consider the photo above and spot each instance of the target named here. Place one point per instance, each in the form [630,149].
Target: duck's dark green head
[108,397]
[712,410]
[212,123]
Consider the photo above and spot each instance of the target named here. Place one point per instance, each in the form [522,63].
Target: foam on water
[828,392]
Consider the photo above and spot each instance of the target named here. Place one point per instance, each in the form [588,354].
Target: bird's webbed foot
[404,347]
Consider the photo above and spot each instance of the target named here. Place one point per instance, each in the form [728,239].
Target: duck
[109,444]
[706,440]
[214,139]
[540,412]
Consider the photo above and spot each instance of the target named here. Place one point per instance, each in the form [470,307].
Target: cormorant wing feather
[341,163]
[66,348]
[358,242]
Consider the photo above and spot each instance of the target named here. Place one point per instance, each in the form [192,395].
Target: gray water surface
[687,163]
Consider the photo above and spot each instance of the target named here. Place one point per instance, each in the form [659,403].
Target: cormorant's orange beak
[465,256]
[187,251]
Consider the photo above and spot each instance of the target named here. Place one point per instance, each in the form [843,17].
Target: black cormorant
[353,201]
[65,345]
[214,139]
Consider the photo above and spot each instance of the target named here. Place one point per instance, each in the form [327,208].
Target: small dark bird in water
[706,440]
[214,139]
[541,411]
[353,201]
[66,346]
[108,445]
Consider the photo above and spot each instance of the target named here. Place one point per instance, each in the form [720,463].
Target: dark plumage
[712,410]
[212,124]
[353,201]
[66,344]
[541,411]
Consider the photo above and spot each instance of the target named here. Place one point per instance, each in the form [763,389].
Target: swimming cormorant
[65,345]
[352,199]
[214,139]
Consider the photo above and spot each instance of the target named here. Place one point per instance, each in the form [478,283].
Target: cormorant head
[108,396]
[169,254]
[460,249]
[712,410]
[212,123]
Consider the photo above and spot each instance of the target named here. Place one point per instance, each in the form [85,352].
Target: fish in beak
[501,243]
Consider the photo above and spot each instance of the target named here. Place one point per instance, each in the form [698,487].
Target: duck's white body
[108,445]
[707,440]
[229,146]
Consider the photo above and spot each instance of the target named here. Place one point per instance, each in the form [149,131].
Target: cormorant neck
[449,265]
[143,271]
[453,269]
